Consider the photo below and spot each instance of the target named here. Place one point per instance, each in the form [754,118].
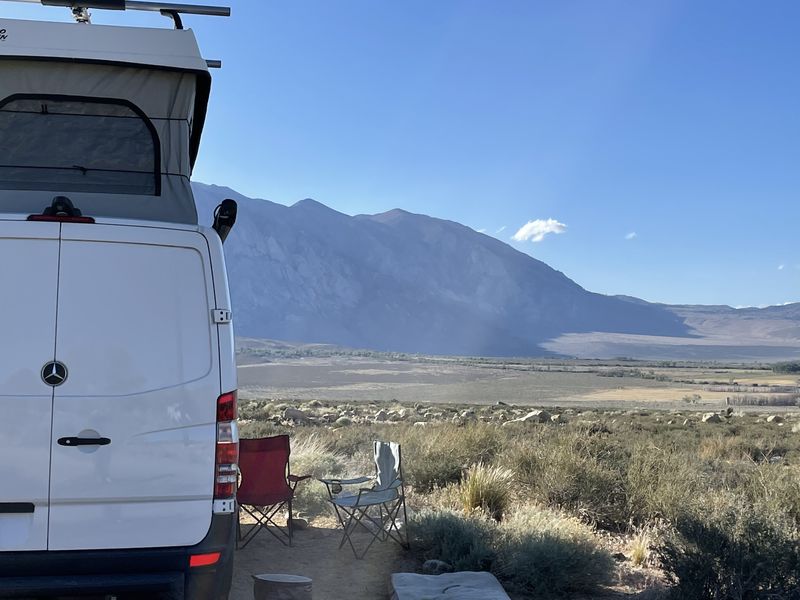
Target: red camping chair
[266,486]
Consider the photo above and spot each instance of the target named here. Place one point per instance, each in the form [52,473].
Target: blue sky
[678,122]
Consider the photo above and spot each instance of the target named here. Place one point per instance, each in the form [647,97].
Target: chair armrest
[347,481]
[296,478]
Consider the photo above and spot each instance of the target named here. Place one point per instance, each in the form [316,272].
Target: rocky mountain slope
[405,282]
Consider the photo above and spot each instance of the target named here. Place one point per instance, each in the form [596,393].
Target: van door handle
[78,441]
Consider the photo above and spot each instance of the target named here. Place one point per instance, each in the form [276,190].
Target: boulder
[535,416]
[775,419]
[294,414]
[342,422]
[558,419]
[711,418]
[381,415]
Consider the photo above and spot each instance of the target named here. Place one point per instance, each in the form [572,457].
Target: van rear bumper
[139,572]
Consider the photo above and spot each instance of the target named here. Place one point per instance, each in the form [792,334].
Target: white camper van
[118,440]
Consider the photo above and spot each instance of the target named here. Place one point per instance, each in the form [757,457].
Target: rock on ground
[536,416]
[294,414]
[436,567]
[711,418]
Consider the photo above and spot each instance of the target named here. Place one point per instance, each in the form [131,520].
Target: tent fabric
[165,97]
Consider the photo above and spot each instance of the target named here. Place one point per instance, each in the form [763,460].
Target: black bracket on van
[225,218]
[63,211]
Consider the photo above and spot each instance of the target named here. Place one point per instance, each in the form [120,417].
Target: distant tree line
[787,367]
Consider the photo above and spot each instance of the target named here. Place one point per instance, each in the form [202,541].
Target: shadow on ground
[336,574]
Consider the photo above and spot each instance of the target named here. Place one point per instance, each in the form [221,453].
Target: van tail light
[226,469]
[60,219]
[204,560]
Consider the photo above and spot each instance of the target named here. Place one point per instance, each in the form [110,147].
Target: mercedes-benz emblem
[54,373]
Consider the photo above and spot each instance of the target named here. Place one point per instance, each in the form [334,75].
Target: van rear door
[29,276]
[134,429]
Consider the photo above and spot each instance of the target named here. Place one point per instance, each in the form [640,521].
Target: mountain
[404,282]
[720,333]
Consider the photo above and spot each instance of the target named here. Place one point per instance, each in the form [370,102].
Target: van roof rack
[80,8]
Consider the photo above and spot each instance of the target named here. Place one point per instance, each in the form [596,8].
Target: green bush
[787,367]
[461,541]
[661,483]
[535,552]
[436,459]
[732,550]
[581,474]
[543,554]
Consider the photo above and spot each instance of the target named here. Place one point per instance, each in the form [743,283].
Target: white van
[118,440]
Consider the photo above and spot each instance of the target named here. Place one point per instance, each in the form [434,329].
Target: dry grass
[723,496]
[641,545]
[486,488]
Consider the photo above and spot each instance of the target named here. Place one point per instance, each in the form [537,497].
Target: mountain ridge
[401,281]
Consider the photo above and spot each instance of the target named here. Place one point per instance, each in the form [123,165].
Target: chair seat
[265,499]
[367,498]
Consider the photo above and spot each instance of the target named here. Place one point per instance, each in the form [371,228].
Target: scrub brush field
[681,497]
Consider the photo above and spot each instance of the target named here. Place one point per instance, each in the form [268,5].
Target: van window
[74,144]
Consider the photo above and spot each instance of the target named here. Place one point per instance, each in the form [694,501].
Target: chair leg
[263,519]
[355,518]
[290,522]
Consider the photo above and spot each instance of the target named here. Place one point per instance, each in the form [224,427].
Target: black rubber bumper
[136,573]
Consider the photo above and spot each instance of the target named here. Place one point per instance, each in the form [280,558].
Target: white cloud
[631,236]
[536,230]
[501,230]
[781,267]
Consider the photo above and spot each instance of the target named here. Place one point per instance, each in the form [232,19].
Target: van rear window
[74,144]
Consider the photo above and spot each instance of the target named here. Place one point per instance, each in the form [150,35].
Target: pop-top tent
[110,117]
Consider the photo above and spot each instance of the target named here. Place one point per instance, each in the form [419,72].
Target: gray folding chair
[376,509]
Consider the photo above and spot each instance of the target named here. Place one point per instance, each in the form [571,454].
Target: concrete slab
[465,585]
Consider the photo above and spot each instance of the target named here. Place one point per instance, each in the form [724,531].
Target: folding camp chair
[376,509]
[266,486]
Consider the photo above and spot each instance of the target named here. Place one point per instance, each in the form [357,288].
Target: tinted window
[77,145]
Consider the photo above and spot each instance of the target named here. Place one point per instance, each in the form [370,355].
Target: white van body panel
[227,347]
[136,334]
[29,276]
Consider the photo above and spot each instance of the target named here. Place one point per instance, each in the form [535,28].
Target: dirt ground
[336,574]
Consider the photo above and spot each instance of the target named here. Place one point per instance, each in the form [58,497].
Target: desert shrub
[543,554]
[486,488]
[435,460]
[463,541]
[574,472]
[661,483]
[787,367]
[351,440]
[535,552]
[732,550]
[311,456]
[260,428]
[775,489]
